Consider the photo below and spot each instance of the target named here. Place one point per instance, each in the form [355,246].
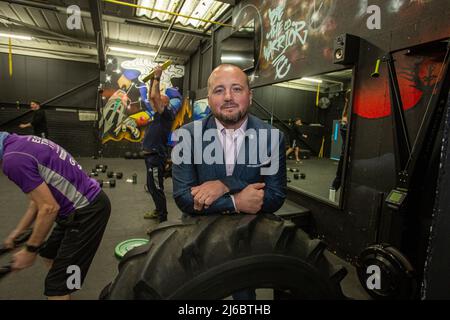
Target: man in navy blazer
[231,161]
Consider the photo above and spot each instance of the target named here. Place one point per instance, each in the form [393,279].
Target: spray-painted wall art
[126,110]
[201,109]
[284,35]
[295,38]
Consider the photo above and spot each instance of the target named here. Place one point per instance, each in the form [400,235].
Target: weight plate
[125,246]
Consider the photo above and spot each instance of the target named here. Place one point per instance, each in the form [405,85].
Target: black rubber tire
[212,257]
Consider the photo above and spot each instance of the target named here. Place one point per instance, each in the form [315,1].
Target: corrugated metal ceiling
[203,9]
[45,21]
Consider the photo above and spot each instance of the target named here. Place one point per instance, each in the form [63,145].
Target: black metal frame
[96,16]
[413,165]
[402,145]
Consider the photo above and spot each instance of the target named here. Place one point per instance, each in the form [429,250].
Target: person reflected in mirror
[297,142]
[343,126]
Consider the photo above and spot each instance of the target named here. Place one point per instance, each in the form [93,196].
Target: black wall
[286,103]
[65,128]
[43,79]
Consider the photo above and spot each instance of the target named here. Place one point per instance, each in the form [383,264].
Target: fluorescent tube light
[312,80]
[138,52]
[15,36]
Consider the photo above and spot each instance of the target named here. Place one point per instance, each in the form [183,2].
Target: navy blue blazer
[187,175]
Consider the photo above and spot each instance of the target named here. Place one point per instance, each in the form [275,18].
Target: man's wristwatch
[31,248]
[157,78]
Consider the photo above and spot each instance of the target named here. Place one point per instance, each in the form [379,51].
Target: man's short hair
[35,101]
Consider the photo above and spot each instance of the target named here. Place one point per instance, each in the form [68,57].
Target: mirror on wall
[313,112]
[240,47]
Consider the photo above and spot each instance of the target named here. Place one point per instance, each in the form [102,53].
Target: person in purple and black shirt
[59,191]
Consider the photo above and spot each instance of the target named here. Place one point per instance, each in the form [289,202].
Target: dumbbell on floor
[93,173]
[97,170]
[110,183]
[117,175]
[101,167]
[299,175]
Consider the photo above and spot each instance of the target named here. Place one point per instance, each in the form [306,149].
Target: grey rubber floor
[129,202]
[319,174]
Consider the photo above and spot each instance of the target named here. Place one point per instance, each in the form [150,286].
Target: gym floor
[319,174]
[129,203]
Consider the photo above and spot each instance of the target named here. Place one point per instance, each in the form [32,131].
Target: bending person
[59,191]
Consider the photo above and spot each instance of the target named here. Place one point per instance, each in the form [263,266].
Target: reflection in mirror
[313,114]
[239,47]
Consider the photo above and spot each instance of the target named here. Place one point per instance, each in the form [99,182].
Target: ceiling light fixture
[15,36]
[311,80]
[132,51]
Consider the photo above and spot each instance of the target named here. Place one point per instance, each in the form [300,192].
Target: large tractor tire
[211,257]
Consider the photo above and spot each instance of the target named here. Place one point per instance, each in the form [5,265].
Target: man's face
[228,94]
[298,122]
[34,106]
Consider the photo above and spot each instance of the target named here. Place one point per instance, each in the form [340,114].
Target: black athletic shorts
[300,144]
[74,242]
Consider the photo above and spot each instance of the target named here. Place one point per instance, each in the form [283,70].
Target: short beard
[230,119]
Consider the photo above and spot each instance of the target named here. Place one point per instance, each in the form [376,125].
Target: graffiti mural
[184,113]
[201,109]
[126,110]
[296,38]
[416,76]
[287,32]
[283,35]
